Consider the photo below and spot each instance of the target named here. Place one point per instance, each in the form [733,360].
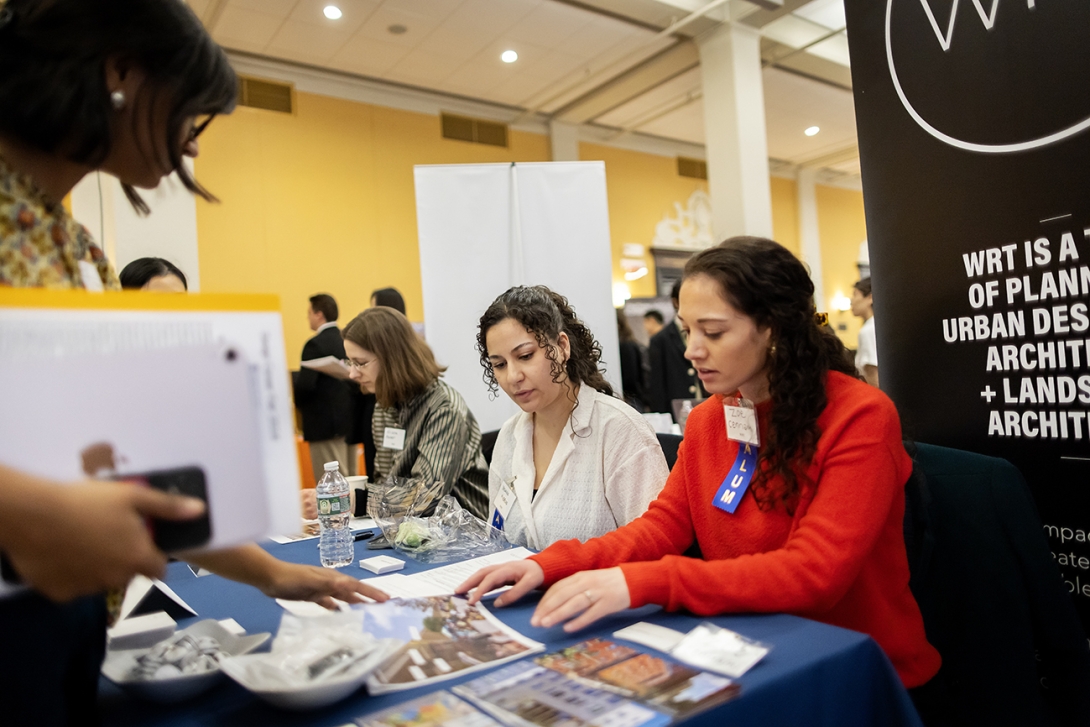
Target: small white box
[382,564]
[137,632]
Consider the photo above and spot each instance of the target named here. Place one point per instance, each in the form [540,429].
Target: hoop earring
[117,100]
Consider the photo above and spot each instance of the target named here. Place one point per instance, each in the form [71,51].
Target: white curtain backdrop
[486,227]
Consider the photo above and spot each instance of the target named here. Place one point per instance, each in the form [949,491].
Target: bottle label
[333,505]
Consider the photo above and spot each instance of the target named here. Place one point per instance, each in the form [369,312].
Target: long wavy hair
[546,314]
[761,279]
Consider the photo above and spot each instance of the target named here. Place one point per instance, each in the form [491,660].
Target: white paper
[44,334]
[443,580]
[393,438]
[308,609]
[92,281]
[329,365]
[653,635]
[138,589]
[719,650]
[741,424]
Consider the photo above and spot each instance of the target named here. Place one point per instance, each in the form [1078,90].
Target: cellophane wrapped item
[309,651]
[430,530]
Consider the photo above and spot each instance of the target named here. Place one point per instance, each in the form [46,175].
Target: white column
[564,141]
[734,131]
[809,237]
[169,232]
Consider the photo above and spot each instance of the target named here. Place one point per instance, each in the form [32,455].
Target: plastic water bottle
[336,545]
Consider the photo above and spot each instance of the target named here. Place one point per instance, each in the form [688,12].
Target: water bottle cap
[330,466]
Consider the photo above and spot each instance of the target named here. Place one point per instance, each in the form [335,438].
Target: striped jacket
[442,442]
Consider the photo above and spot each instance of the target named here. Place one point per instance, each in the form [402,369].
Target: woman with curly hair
[800,511]
[577,462]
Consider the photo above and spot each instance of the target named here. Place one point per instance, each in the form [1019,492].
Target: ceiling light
[509,56]
[811,131]
[332,12]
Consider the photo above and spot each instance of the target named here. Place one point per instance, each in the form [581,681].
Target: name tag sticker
[505,500]
[393,438]
[741,418]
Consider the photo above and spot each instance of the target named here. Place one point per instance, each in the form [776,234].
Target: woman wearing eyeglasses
[422,427]
[126,87]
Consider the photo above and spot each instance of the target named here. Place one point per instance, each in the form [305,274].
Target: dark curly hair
[545,314]
[763,280]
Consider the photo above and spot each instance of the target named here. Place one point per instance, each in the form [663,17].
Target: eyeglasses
[352,365]
[199,125]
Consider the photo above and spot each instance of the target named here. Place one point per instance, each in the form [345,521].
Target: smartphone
[175,535]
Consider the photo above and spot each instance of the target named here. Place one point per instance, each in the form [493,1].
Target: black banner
[974,135]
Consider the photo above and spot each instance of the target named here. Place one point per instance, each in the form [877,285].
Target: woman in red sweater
[808,520]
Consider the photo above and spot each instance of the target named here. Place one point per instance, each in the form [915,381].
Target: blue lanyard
[734,486]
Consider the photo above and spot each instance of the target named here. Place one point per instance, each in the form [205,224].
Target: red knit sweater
[840,559]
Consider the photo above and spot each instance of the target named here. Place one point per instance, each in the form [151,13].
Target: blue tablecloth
[815,674]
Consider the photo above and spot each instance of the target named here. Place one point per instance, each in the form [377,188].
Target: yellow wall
[842,226]
[785,213]
[322,201]
[642,189]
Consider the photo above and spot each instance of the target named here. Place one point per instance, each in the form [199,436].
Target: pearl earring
[117,99]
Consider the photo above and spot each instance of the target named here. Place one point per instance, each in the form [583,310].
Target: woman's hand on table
[582,599]
[310,583]
[525,575]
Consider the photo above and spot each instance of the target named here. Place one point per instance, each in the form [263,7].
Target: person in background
[389,298]
[652,323]
[866,354]
[672,377]
[363,405]
[323,401]
[422,427]
[153,274]
[576,462]
[815,530]
[632,358]
[126,87]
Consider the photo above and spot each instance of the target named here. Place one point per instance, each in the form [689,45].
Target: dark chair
[488,444]
[669,444]
[993,601]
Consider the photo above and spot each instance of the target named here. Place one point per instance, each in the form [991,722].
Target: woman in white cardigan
[577,462]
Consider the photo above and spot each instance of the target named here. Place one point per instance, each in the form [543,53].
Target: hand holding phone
[170,535]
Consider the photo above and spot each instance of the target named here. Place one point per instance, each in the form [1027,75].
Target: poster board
[486,227]
[974,135]
[64,331]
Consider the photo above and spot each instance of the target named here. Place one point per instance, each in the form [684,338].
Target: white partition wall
[486,227]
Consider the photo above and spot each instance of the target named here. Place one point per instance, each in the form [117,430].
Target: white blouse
[607,468]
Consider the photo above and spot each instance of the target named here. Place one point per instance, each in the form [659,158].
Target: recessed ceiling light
[509,56]
[811,130]
[332,12]
[397,29]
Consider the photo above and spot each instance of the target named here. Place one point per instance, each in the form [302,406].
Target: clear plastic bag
[449,533]
[308,652]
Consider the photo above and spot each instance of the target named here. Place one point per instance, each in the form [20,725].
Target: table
[816,674]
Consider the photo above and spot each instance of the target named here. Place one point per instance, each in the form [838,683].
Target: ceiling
[606,63]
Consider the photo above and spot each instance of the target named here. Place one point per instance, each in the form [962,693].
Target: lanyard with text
[741,419]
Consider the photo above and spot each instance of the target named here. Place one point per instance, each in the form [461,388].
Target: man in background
[652,323]
[323,401]
[672,376]
[866,355]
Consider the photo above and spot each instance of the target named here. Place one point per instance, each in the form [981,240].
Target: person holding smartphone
[126,87]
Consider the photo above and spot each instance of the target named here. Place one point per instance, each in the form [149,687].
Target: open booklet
[444,637]
[594,683]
